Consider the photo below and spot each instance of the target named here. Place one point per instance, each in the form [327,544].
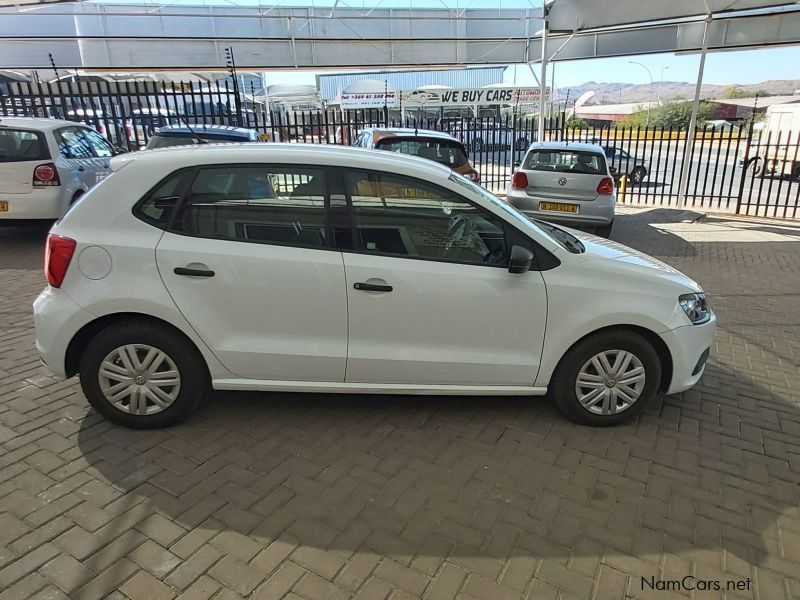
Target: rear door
[21,151]
[250,264]
[564,174]
[103,151]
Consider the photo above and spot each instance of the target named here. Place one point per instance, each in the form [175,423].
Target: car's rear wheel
[637,175]
[140,375]
[607,378]
[604,230]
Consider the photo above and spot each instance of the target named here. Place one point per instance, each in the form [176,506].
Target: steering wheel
[459,228]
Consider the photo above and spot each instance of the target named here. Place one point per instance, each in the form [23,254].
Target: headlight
[695,307]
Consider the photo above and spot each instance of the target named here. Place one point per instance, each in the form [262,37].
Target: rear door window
[20,145]
[72,143]
[563,161]
[257,203]
[98,143]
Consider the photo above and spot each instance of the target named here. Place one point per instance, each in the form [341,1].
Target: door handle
[371,287]
[193,272]
[81,168]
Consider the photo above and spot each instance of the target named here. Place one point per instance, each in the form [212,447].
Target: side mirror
[521,260]
[119,150]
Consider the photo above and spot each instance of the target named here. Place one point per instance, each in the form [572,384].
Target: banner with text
[369,100]
[470,96]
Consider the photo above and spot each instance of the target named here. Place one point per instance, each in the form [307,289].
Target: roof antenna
[195,136]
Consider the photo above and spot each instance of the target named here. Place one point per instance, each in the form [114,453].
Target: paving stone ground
[324,497]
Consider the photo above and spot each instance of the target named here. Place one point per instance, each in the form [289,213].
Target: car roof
[221,129]
[567,146]
[283,153]
[410,132]
[36,123]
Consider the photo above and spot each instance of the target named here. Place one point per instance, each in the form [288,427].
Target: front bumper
[599,211]
[687,346]
[56,318]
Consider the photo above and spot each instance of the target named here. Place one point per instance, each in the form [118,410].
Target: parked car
[420,282]
[485,135]
[47,164]
[624,163]
[183,135]
[565,182]
[147,121]
[433,145]
[115,129]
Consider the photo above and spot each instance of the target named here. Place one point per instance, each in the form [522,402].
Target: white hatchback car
[294,267]
[47,164]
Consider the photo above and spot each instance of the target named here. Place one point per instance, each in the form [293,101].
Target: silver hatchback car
[565,182]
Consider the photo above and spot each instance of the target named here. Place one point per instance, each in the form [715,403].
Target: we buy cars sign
[470,96]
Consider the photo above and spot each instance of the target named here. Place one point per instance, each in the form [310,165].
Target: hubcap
[139,379]
[610,382]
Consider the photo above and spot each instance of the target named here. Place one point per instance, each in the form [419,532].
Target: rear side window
[19,145]
[158,205]
[573,161]
[256,203]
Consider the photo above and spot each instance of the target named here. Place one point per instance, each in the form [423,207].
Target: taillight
[45,175]
[57,257]
[519,180]
[606,186]
[474,176]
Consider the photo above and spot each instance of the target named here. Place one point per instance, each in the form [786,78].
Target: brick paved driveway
[321,497]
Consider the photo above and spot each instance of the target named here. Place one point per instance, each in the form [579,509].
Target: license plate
[558,207]
[3,206]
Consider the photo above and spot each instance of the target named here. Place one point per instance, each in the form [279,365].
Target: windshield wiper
[571,243]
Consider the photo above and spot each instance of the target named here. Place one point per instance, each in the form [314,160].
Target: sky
[722,68]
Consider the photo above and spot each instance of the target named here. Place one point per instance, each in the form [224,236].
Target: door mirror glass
[119,150]
[521,260]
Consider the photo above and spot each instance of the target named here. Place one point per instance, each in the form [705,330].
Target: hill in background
[613,93]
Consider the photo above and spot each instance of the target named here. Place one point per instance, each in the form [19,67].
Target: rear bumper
[43,203]
[56,318]
[599,211]
[689,347]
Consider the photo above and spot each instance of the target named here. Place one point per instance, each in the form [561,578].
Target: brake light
[519,180]
[45,175]
[606,186]
[57,257]
[474,176]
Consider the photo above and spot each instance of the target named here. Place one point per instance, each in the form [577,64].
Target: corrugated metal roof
[331,85]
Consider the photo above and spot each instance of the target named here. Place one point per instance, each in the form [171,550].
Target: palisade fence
[730,169]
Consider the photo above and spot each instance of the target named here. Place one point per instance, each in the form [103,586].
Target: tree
[673,114]
[733,91]
[576,123]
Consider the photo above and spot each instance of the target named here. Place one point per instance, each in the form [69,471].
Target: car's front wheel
[142,375]
[607,378]
[638,174]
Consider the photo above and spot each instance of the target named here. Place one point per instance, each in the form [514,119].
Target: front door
[249,264]
[430,298]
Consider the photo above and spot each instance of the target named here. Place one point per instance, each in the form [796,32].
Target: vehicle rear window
[19,145]
[166,140]
[447,152]
[574,161]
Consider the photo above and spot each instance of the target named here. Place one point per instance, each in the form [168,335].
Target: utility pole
[650,100]
[232,69]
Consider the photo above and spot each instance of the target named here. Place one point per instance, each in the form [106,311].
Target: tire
[141,335]
[75,197]
[637,175]
[756,166]
[522,144]
[563,385]
[477,145]
[604,230]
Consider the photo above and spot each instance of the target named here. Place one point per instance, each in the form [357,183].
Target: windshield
[19,145]
[447,152]
[565,160]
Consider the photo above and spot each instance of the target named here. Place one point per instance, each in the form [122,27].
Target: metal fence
[728,169]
